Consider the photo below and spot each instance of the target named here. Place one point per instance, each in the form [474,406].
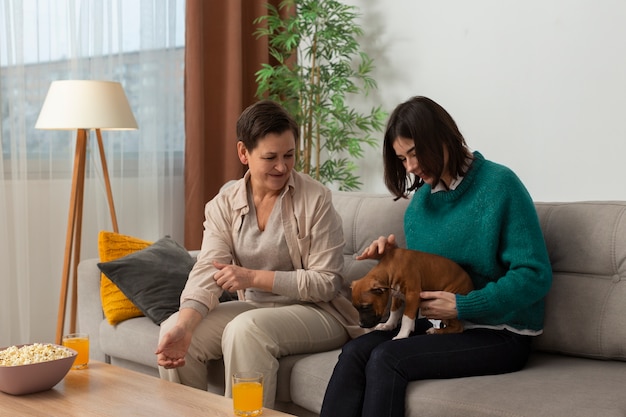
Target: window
[139,43]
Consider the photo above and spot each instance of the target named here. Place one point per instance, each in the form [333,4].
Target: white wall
[539,86]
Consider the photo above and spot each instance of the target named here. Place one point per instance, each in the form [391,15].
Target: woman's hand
[232,277]
[377,248]
[174,344]
[438,305]
[173,348]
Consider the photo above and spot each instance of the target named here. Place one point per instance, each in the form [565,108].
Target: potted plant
[319,68]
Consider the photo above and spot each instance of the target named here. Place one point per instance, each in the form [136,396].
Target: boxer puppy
[402,274]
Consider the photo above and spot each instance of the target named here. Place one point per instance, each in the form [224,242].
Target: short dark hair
[430,126]
[262,118]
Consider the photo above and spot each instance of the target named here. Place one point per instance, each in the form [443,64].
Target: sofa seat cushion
[283,378]
[310,377]
[548,379]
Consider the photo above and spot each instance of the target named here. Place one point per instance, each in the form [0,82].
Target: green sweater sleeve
[516,296]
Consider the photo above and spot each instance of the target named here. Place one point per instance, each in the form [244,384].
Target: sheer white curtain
[136,42]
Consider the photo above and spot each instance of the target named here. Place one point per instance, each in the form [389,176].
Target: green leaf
[323,36]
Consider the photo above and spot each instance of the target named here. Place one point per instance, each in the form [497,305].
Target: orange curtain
[221,58]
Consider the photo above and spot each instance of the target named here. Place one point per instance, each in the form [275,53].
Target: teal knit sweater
[489,226]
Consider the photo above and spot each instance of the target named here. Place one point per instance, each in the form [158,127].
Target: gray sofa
[578,366]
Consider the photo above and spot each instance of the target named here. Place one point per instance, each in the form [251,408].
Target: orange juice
[248,395]
[80,343]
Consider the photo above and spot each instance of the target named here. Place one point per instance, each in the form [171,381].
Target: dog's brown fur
[407,272]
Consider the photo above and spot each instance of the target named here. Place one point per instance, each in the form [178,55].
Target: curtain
[139,43]
[221,58]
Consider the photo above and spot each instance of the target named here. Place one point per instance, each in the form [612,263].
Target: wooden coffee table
[107,390]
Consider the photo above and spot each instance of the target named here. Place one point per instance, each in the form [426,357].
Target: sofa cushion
[152,278]
[585,308]
[544,388]
[309,379]
[365,217]
[115,305]
[547,379]
[133,340]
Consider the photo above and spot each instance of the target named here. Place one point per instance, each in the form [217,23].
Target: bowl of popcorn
[26,369]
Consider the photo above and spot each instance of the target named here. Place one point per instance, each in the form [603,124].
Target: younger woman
[477,213]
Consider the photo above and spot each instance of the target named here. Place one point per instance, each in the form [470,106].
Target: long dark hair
[430,126]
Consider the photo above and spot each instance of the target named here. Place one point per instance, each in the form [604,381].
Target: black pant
[373,371]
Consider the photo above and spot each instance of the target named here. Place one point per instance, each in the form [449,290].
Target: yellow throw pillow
[116,306]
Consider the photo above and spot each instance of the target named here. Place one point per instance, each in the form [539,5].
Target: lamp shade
[86,104]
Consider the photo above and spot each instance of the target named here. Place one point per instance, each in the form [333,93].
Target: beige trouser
[250,338]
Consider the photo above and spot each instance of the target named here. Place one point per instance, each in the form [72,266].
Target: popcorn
[35,353]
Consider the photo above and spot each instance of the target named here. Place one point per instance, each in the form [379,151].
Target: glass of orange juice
[80,343]
[248,393]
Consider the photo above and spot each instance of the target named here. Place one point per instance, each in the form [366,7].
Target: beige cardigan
[314,235]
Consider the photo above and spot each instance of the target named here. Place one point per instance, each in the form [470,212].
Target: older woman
[275,238]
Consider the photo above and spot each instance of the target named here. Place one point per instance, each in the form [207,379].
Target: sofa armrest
[90,313]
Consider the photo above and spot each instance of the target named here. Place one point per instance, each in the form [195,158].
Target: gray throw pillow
[152,278]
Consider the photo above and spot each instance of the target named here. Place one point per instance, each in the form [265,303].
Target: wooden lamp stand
[74,228]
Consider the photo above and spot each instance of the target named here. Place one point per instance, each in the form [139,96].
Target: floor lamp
[82,105]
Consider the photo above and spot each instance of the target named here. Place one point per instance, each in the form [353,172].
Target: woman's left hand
[438,305]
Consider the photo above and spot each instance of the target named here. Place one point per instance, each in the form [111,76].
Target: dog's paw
[385,326]
[432,330]
[400,336]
